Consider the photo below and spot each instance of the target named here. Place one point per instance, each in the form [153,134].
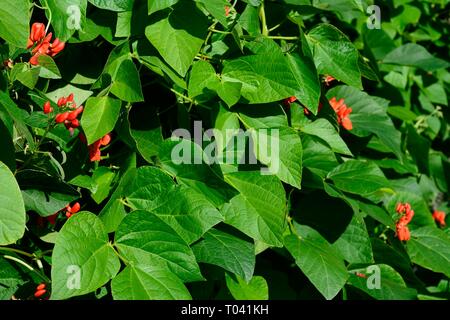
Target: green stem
[262,18]
[283,38]
[125,261]
[220,31]
[17,251]
[26,265]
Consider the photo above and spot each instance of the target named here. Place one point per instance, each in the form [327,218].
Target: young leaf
[12,209]
[76,260]
[227,251]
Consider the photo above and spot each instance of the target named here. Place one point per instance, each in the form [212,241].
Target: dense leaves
[214,149]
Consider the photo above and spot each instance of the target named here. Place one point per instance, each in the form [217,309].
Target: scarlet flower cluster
[40,290]
[439,217]
[69,118]
[94,149]
[341,109]
[407,214]
[342,112]
[41,41]
[71,210]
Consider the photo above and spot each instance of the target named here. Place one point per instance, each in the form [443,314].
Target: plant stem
[262,18]
[118,254]
[283,38]
[16,251]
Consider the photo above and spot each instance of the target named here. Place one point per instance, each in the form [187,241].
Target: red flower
[40,290]
[406,212]
[71,210]
[47,107]
[37,32]
[342,112]
[42,42]
[403,232]
[287,102]
[94,149]
[439,217]
[60,118]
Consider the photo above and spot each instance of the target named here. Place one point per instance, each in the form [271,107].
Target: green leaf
[11,110]
[402,113]
[359,177]
[102,178]
[144,232]
[265,77]
[415,55]
[156,5]
[114,5]
[145,130]
[126,84]
[354,243]
[255,289]
[67,16]
[26,75]
[147,281]
[10,280]
[259,210]
[304,70]
[226,251]
[281,150]
[369,116]
[49,69]
[203,81]
[46,203]
[318,260]
[99,117]
[188,212]
[217,9]
[194,171]
[391,284]
[334,54]
[418,146]
[324,130]
[377,213]
[14,20]
[179,36]
[429,247]
[76,259]
[12,209]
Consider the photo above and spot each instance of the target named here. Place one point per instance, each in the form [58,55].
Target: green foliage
[323,121]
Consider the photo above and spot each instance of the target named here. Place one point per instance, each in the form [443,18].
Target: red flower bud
[106,140]
[60,118]
[403,232]
[47,107]
[40,293]
[62,101]
[37,32]
[439,217]
[41,287]
[56,47]
[75,123]
[75,208]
